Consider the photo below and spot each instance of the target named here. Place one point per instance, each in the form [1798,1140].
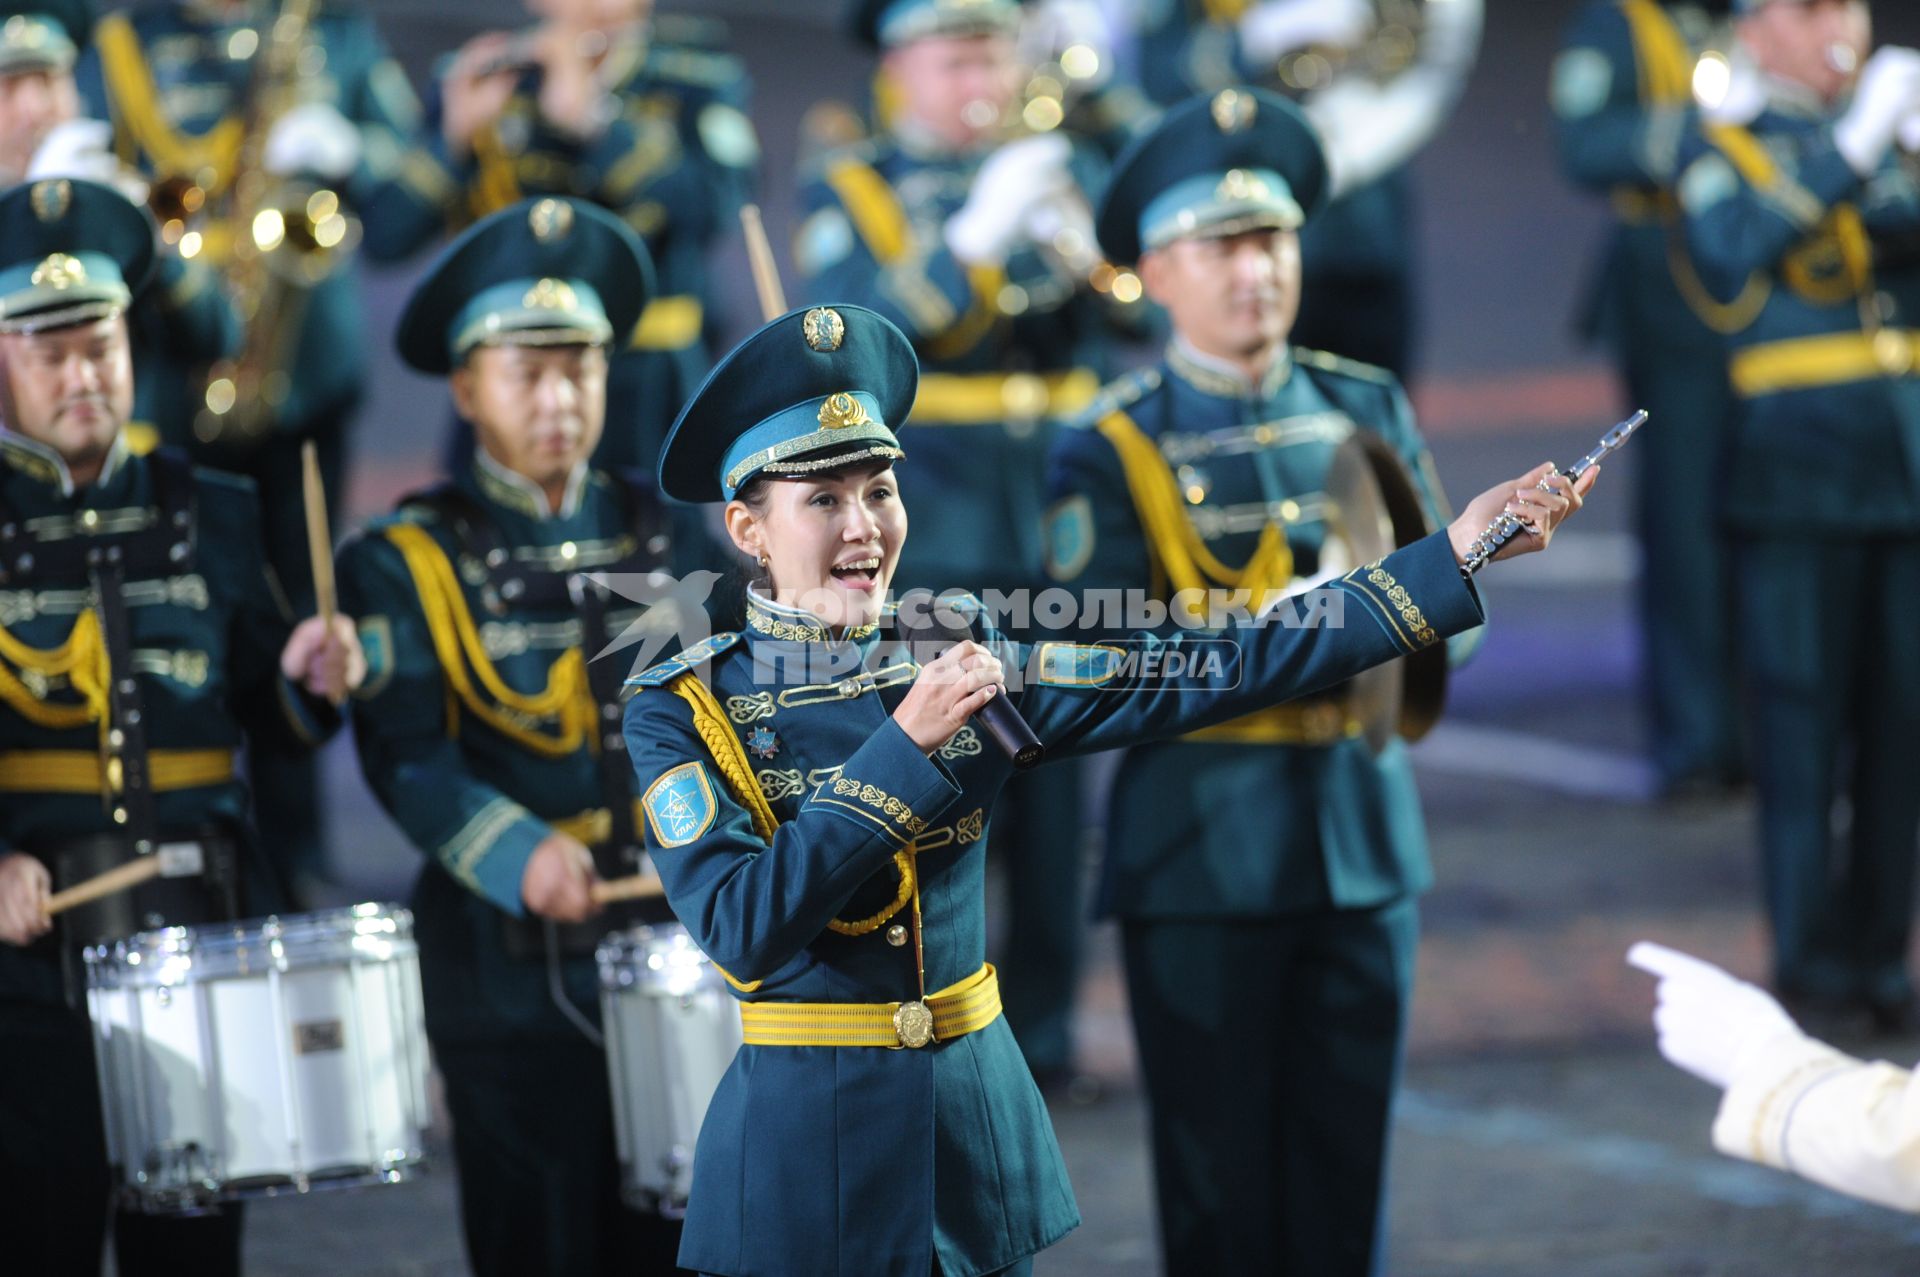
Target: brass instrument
[287,237]
[1388,50]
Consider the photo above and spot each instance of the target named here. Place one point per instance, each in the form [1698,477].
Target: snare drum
[263,1057]
[672,1028]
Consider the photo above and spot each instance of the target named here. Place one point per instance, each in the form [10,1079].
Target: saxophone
[288,236]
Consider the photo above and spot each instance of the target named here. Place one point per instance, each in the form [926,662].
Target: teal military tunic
[1822,492]
[862,1160]
[206,631]
[1280,843]
[1623,105]
[676,161]
[478,734]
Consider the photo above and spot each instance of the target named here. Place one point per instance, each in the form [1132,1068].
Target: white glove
[1888,93]
[313,138]
[84,149]
[1066,223]
[1708,1021]
[1280,26]
[1014,180]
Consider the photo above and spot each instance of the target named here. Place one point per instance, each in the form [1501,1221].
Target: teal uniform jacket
[477,792]
[163,74]
[1232,827]
[676,162]
[1003,354]
[1829,437]
[206,639]
[836,1160]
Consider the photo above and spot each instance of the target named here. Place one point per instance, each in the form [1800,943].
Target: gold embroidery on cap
[823,328]
[551,294]
[1239,184]
[550,220]
[841,411]
[59,272]
[1233,110]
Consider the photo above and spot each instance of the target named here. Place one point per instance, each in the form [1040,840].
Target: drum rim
[254,945]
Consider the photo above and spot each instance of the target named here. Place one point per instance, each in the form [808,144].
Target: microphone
[924,618]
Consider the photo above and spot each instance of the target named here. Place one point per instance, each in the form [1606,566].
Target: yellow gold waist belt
[1638,207]
[592,826]
[958,1009]
[668,323]
[1294,723]
[1824,361]
[78,771]
[973,399]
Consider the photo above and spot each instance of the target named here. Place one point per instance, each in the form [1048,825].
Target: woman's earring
[763,560]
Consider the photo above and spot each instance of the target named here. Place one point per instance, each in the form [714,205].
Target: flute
[1508,525]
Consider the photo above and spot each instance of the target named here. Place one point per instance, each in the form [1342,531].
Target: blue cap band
[1240,197]
[851,418]
[569,308]
[61,279]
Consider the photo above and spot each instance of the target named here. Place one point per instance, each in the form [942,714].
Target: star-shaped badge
[763,742]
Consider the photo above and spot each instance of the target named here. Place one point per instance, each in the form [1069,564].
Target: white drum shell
[672,1029]
[278,1055]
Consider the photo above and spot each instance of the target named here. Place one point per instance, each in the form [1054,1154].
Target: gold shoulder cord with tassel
[567,700]
[730,757]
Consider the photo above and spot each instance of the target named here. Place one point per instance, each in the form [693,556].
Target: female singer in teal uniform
[815,801]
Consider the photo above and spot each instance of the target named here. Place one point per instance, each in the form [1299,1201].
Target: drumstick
[131,874]
[766,275]
[319,539]
[642,886]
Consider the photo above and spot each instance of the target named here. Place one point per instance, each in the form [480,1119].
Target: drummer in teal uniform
[936,222]
[1623,102]
[140,644]
[1283,842]
[491,740]
[603,101]
[815,797]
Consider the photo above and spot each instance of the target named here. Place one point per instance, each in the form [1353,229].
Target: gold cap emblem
[1233,110]
[551,294]
[823,328]
[59,272]
[841,411]
[51,199]
[550,220]
[1239,184]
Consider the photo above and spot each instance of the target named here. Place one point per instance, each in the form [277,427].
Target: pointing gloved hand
[1280,26]
[1016,179]
[1707,1020]
[83,149]
[313,139]
[1888,94]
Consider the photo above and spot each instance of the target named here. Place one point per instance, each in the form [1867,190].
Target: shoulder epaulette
[694,657]
[1342,366]
[1117,396]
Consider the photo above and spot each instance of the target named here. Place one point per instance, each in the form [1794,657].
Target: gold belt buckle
[1893,351]
[913,1024]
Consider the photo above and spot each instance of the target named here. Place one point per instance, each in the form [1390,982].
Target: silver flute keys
[1507,526]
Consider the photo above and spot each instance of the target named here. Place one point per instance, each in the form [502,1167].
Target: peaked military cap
[41,34]
[73,252]
[1237,160]
[886,24]
[543,272]
[811,390]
